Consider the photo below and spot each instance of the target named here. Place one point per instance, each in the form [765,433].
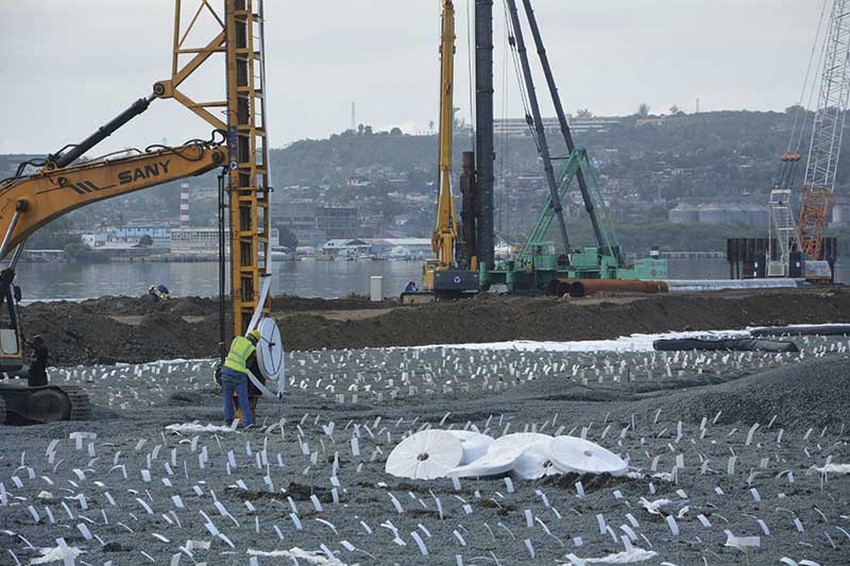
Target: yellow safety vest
[240,350]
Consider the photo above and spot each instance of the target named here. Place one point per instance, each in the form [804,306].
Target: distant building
[519,126]
[194,241]
[683,213]
[204,241]
[315,224]
[401,248]
[346,248]
[841,212]
[132,232]
[720,213]
[655,121]
[337,221]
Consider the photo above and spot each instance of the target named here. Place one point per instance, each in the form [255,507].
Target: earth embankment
[134,330]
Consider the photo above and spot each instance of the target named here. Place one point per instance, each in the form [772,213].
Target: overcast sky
[70,66]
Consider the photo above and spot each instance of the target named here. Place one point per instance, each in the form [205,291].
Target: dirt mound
[493,319]
[128,306]
[128,329]
[810,394]
[76,333]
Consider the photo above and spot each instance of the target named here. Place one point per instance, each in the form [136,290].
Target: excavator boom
[28,203]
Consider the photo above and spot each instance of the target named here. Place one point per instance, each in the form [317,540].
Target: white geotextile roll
[575,455]
[520,439]
[494,462]
[426,455]
[535,462]
[270,350]
[529,465]
[474,444]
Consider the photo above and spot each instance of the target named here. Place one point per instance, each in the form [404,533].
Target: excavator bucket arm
[28,203]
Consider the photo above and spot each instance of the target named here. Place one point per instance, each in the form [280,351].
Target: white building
[204,241]
[194,241]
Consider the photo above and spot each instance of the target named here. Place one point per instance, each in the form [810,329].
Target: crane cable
[524,95]
[470,58]
[800,110]
[504,217]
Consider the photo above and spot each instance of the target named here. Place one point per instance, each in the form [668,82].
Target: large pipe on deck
[587,287]
[702,285]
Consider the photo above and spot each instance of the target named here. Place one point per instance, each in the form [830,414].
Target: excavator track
[80,402]
[23,405]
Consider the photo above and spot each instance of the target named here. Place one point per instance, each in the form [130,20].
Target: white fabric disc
[535,462]
[520,439]
[270,350]
[475,444]
[493,463]
[426,455]
[575,455]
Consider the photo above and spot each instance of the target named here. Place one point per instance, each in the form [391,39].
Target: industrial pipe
[558,287]
[732,344]
[585,287]
[702,285]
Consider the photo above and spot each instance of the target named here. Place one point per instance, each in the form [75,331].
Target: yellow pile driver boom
[445,233]
[443,276]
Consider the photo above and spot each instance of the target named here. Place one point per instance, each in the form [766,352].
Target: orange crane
[827,134]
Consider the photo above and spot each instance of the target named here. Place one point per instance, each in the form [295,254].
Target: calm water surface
[327,279]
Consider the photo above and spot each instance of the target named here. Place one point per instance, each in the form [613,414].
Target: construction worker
[234,378]
[159,292]
[411,287]
[36,372]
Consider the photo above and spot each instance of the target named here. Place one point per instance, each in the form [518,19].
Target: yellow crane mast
[240,37]
[445,232]
[444,276]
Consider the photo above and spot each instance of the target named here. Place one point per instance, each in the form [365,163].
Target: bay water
[325,279]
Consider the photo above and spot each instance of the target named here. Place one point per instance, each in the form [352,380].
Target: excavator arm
[28,203]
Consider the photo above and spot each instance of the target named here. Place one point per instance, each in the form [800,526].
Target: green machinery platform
[540,262]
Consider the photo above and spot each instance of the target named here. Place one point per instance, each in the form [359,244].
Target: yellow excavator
[59,185]
[447,276]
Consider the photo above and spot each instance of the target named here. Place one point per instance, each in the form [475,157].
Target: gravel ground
[312,476]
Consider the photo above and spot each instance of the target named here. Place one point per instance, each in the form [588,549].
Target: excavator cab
[19,403]
[11,344]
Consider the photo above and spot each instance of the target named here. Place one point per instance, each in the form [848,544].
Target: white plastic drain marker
[575,455]
[426,455]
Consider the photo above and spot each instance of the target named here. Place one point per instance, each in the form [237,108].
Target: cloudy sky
[70,66]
